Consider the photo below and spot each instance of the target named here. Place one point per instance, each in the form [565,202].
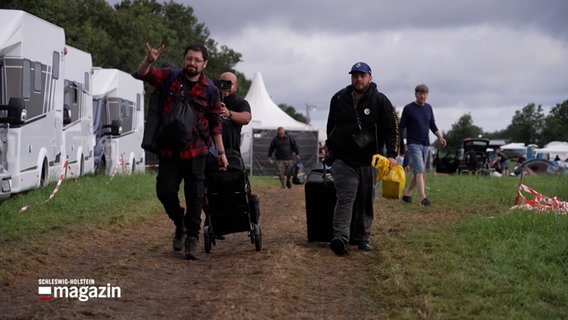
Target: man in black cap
[361,123]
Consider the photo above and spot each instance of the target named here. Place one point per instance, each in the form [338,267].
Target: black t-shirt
[232,130]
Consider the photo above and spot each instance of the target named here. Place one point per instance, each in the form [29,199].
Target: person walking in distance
[361,122]
[236,111]
[185,160]
[418,119]
[283,146]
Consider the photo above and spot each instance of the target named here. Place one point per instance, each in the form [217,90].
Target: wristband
[220,152]
[230,114]
[147,62]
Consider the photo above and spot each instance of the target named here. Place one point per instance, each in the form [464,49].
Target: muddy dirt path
[288,279]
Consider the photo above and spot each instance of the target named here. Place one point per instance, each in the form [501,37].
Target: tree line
[528,125]
[115,35]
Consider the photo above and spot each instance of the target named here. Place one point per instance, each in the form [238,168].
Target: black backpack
[177,127]
[154,117]
[176,130]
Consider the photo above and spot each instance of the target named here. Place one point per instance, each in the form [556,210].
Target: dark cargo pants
[354,190]
[171,172]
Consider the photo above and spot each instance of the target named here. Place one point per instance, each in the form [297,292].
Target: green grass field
[468,256]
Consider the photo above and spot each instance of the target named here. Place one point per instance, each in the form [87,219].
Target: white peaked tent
[266,118]
[265,113]
[554,149]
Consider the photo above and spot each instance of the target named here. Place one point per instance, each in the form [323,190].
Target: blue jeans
[170,174]
[354,190]
[417,154]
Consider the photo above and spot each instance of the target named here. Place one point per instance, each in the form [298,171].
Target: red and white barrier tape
[59,181]
[54,192]
[72,174]
[539,202]
[120,164]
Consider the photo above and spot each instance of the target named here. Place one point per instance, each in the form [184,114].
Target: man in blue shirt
[418,118]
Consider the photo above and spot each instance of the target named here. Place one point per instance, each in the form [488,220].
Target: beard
[190,72]
[360,90]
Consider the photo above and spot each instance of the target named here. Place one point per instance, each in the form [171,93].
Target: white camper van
[118,122]
[79,141]
[31,99]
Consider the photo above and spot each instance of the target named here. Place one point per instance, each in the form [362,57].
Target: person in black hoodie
[361,122]
[284,147]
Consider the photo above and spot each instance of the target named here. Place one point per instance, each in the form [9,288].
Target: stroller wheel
[207,240]
[257,237]
[207,243]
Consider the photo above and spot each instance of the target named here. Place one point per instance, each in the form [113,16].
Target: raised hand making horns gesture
[153,54]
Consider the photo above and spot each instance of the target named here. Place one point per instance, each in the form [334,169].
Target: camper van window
[1,81]
[126,110]
[113,109]
[37,77]
[55,68]
[26,81]
[71,100]
[87,83]
[138,102]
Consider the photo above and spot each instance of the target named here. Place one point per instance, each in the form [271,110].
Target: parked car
[472,158]
[447,161]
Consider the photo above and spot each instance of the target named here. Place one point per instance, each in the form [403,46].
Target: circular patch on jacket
[367,111]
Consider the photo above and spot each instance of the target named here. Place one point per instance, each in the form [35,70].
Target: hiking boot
[191,244]
[425,202]
[365,246]
[407,199]
[179,237]
[289,184]
[338,247]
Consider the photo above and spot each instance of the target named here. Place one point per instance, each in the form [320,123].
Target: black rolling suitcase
[320,204]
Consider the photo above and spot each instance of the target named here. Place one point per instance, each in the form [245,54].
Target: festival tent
[518,149]
[553,149]
[266,118]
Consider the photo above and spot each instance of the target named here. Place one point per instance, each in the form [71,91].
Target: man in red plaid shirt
[186,163]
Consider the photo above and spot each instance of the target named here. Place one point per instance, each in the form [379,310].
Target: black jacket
[377,116]
[283,148]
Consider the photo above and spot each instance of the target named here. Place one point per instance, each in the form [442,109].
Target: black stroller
[230,206]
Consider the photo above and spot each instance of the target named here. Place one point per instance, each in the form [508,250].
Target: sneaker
[407,199]
[425,202]
[191,248]
[179,238]
[364,246]
[338,247]
[289,184]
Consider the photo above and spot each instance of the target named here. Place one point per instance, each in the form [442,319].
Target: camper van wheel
[101,169]
[43,178]
[82,164]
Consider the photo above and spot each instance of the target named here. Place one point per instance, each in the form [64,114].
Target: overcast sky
[484,57]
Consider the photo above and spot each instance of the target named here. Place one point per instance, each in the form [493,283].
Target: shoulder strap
[209,90]
[166,90]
